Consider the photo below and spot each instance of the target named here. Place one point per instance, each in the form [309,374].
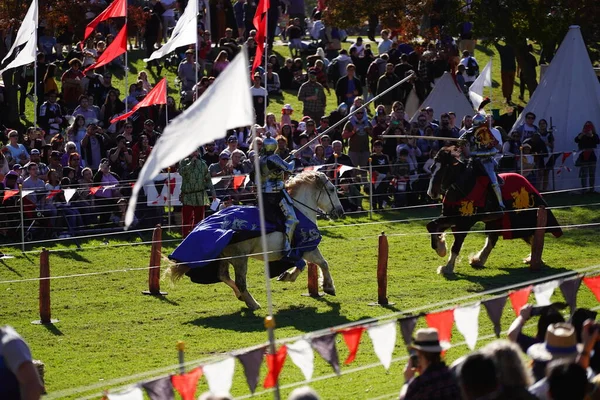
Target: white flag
[27,34]
[226,104]
[483,80]
[384,341]
[544,291]
[303,356]
[130,394]
[184,33]
[220,375]
[69,193]
[467,323]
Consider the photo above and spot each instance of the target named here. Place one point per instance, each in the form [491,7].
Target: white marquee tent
[446,97]
[569,94]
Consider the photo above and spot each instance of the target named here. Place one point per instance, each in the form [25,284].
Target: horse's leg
[316,257]
[240,265]
[226,279]
[459,238]
[479,259]
[438,240]
[290,275]
[529,241]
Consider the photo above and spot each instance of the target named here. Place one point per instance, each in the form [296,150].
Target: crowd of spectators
[560,363]
[76,146]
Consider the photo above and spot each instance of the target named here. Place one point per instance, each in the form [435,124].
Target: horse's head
[313,190]
[444,171]
[329,201]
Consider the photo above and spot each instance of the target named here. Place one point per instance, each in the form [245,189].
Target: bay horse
[311,191]
[468,199]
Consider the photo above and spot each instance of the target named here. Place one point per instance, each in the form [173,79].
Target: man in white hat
[435,380]
[560,344]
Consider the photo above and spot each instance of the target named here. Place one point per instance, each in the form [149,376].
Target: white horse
[311,191]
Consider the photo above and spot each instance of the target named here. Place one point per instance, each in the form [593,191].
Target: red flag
[53,193]
[518,298]
[116,48]
[117,8]
[186,383]
[321,6]
[94,189]
[158,95]
[238,181]
[594,285]
[274,365]
[565,156]
[9,193]
[260,23]
[352,338]
[442,321]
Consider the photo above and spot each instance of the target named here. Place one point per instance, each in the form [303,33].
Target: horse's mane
[448,153]
[305,177]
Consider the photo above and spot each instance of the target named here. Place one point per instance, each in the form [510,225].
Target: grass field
[108,330]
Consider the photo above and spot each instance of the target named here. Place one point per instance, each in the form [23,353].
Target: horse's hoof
[476,263]
[527,260]
[253,307]
[444,270]
[329,291]
[289,276]
[441,249]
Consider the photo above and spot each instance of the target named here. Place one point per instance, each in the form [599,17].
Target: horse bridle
[316,210]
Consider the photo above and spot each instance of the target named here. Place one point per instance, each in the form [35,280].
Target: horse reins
[316,210]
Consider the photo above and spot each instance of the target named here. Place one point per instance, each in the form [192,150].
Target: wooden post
[313,281]
[154,267]
[537,244]
[382,264]
[45,289]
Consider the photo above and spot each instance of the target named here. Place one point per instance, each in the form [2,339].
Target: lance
[445,139]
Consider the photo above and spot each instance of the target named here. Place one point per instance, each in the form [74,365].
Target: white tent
[446,97]
[569,94]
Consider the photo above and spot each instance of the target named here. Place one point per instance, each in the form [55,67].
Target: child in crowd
[381,168]
[286,115]
[401,173]
[349,195]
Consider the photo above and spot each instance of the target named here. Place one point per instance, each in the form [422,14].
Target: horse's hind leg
[226,279]
[479,259]
[459,239]
[438,240]
[316,257]
[240,265]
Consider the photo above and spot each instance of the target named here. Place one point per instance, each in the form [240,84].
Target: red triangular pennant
[352,338]
[186,383]
[442,321]
[158,95]
[238,181]
[274,365]
[566,155]
[518,298]
[53,193]
[10,193]
[260,23]
[94,189]
[116,9]
[114,50]
[594,285]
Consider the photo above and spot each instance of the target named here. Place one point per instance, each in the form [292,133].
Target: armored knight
[272,170]
[481,147]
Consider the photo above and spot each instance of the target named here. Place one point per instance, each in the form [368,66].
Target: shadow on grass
[11,269]
[300,317]
[73,255]
[53,329]
[512,276]
[485,50]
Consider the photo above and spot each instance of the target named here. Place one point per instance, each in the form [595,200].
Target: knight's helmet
[269,145]
[478,120]
[343,109]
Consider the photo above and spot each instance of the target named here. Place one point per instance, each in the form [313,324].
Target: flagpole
[22,219]
[269,320]
[491,90]
[266,45]
[35,84]
[126,65]
[169,170]
[196,52]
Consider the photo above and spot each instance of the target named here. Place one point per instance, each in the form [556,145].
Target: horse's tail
[175,272]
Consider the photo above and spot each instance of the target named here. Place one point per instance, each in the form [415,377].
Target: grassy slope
[107,329]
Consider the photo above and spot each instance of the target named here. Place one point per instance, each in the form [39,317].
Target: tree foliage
[543,21]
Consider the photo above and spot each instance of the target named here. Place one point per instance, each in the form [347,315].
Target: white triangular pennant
[26,193]
[303,356]
[544,291]
[384,341]
[220,375]
[130,394]
[216,180]
[69,193]
[467,323]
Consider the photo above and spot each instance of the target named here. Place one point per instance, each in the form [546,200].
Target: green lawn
[108,329]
